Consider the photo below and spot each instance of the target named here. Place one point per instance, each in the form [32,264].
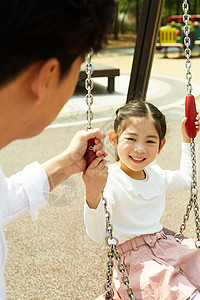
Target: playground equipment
[190,112]
[172,34]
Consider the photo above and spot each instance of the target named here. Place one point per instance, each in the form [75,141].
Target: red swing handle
[190,113]
[90,155]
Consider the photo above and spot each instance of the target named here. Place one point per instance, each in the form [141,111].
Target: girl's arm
[180,180]
[95,222]
[95,178]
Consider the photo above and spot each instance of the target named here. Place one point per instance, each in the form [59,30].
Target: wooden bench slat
[102,71]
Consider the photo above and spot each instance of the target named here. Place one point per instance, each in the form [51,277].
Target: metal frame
[145,46]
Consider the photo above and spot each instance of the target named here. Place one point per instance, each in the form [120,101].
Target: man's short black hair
[35,30]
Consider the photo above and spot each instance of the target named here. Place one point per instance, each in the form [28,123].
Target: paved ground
[53,258]
[167,87]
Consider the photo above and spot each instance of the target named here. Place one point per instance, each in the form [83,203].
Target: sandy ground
[53,258]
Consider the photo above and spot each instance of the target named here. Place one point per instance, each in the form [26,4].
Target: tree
[124,6]
[116,25]
[179,7]
[137,13]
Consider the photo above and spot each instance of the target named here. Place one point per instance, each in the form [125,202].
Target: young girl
[158,267]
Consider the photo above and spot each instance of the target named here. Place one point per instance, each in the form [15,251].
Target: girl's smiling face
[138,146]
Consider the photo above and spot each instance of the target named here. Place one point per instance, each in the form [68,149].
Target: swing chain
[89,84]
[109,293]
[112,243]
[194,191]
[122,270]
[185,7]
[108,286]
[193,201]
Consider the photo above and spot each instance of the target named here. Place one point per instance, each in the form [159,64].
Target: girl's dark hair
[34,30]
[139,108]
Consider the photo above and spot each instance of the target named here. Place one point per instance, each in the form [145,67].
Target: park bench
[102,71]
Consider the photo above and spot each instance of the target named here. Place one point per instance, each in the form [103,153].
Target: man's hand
[78,146]
[72,160]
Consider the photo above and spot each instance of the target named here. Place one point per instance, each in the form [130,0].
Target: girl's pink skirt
[159,268]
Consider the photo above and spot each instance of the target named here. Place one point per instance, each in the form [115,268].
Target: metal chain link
[194,191]
[112,243]
[193,201]
[185,7]
[89,84]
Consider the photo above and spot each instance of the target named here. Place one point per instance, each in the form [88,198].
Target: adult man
[42,46]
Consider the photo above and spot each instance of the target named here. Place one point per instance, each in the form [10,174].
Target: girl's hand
[197,123]
[186,138]
[95,178]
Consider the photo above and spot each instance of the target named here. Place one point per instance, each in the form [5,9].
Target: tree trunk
[178,7]
[116,25]
[195,7]
[137,14]
[169,7]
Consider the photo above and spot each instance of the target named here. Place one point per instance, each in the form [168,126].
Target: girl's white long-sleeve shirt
[136,206]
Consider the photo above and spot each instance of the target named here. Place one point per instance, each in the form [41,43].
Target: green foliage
[175,7]
[124,5]
[132,8]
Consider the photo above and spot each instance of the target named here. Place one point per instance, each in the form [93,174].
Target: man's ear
[112,138]
[163,141]
[46,80]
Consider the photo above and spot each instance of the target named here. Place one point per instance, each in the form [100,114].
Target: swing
[190,113]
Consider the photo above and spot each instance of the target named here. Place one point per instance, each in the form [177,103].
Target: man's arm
[72,161]
[27,190]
